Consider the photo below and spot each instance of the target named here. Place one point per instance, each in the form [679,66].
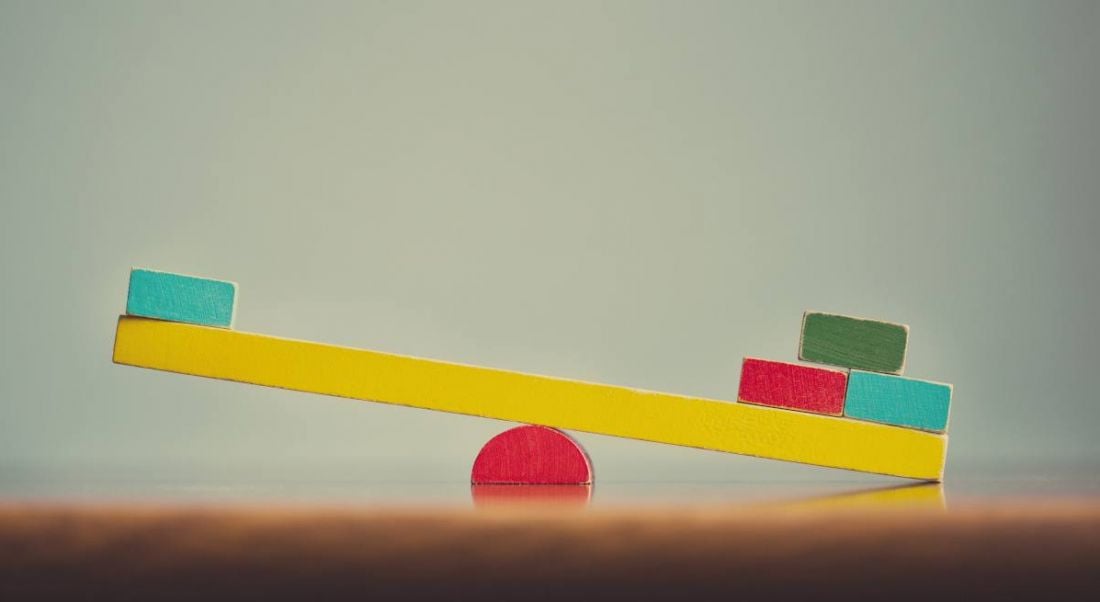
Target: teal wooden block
[180,298]
[896,400]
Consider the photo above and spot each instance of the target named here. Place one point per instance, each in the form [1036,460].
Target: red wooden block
[792,386]
[532,455]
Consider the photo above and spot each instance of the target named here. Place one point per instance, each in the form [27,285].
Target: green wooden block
[855,343]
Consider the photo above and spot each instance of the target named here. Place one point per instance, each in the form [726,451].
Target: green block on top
[855,343]
[180,298]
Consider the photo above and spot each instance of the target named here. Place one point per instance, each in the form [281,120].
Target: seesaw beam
[491,393]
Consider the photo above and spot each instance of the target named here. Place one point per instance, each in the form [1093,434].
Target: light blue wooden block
[180,298]
[918,404]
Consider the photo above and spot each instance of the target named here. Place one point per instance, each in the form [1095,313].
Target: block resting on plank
[180,298]
[919,404]
[855,343]
[532,455]
[793,386]
[556,402]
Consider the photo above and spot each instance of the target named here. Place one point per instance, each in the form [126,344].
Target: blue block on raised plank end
[896,400]
[180,298]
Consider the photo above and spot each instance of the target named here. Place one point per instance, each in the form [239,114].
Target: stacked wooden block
[870,386]
[181,298]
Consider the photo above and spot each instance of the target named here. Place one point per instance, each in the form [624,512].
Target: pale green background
[634,193]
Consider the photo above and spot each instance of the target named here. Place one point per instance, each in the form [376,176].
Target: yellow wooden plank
[595,408]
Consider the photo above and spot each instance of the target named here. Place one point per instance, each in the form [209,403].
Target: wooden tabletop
[893,543]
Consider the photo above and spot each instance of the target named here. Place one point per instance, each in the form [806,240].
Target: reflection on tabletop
[558,496]
[915,496]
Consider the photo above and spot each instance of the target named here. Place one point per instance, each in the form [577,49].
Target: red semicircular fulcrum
[532,455]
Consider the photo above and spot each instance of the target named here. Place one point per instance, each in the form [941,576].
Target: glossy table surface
[1022,533]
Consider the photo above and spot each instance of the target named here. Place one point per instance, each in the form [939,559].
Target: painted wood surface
[567,404]
[180,298]
[792,386]
[888,399]
[532,455]
[855,343]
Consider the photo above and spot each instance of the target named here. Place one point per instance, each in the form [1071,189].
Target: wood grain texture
[180,298]
[567,404]
[919,404]
[792,386]
[1008,551]
[532,455]
[855,343]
